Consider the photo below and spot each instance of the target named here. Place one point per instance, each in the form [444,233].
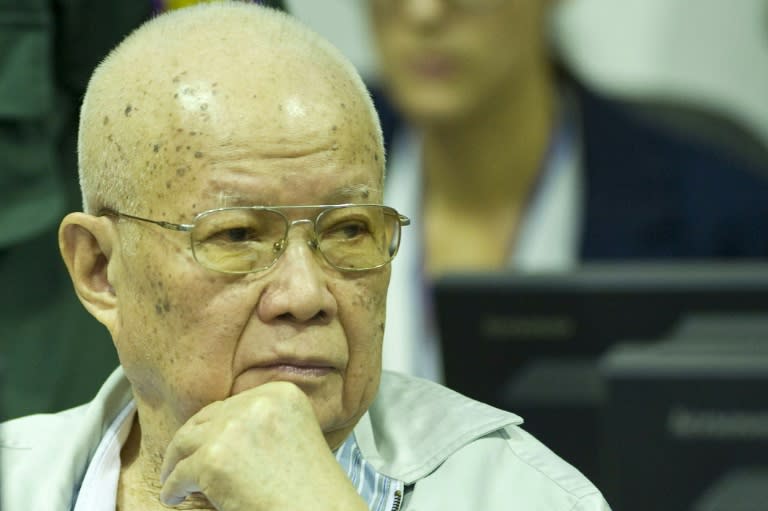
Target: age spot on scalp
[163,307]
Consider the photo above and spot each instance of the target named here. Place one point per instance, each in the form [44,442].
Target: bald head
[233,75]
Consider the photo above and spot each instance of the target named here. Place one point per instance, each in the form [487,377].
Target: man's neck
[492,156]
[139,485]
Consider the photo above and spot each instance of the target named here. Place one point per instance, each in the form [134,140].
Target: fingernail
[171,501]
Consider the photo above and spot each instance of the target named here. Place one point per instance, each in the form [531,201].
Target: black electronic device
[529,343]
[681,418]
[741,489]
[492,324]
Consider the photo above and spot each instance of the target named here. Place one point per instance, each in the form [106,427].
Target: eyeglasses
[350,237]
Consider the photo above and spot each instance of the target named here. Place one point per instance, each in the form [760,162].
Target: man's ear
[86,243]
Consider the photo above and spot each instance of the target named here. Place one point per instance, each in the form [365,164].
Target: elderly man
[235,246]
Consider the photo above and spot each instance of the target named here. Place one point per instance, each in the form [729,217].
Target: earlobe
[86,243]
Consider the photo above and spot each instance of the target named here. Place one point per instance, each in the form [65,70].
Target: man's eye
[237,234]
[234,235]
[349,230]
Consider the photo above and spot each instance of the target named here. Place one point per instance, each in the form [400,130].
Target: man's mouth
[297,369]
[304,374]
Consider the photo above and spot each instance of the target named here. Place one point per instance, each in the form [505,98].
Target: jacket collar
[414,425]
[61,444]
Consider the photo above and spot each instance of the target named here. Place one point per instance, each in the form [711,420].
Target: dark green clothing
[31,115]
[53,353]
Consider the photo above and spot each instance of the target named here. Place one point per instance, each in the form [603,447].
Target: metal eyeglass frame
[280,244]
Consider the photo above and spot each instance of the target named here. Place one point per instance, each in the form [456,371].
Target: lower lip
[306,377]
[301,371]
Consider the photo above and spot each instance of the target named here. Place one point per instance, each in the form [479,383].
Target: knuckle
[278,403]
[214,456]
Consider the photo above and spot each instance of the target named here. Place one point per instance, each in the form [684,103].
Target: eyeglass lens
[242,240]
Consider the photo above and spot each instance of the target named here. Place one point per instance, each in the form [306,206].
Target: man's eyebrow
[358,192]
[351,193]
[228,199]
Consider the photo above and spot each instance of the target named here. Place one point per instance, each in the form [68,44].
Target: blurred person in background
[506,161]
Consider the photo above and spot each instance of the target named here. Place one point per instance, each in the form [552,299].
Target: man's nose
[298,290]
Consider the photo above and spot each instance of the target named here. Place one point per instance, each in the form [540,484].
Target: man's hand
[258,450]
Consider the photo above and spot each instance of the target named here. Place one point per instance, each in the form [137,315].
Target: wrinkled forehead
[246,119]
[270,89]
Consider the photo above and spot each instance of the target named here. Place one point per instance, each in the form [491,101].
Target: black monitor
[529,343]
[740,489]
[685,422]
[493,324]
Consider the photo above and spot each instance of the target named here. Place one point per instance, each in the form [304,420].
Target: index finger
[179,484]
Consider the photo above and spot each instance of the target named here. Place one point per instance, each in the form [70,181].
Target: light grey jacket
[451,452]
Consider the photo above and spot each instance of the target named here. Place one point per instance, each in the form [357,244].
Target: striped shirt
[382,493]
